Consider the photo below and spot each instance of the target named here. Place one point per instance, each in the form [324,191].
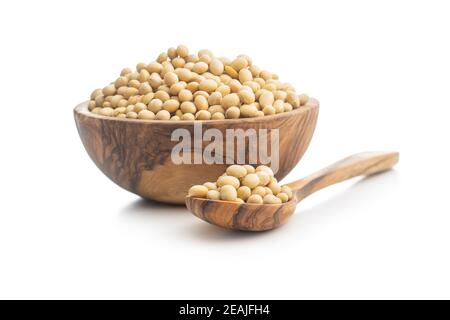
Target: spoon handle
[365,163]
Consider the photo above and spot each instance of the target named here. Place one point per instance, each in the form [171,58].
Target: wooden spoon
[260,217]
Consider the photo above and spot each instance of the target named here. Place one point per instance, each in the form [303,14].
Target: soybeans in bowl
[244,183]
[180,85]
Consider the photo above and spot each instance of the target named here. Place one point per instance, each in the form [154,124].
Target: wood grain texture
[255,217]
[136,154]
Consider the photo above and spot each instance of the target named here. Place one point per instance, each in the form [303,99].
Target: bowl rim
[82,109]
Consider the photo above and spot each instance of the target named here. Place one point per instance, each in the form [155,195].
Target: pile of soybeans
[244,184]
[184,86]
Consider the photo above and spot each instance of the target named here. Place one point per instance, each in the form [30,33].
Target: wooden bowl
[136,154]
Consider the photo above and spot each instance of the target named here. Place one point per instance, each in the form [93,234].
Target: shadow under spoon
[261,217]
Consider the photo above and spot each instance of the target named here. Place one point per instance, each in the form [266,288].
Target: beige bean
[138,107]
[215,98]
[239,63]
[293,99]
[228,180]
[287,107]
[223,89]
[201,102]
[120,82]
[208,85]
[206,59]
[283,197]
[264,177]
[269,110]
[229,70]
[271,199]
[287,190]
[216,109]
[245,75]
[162,95]
[191,58]
[145,88]
[278,106]
[154,67]
[171,105]
[162,57]
[134,84]
[213,195]
[260,190]
[146,115]
[182,51]
[97,110]
[155,80]
[218,116]
[249,111]
[275,187]
[251,180]
[228,193]
[246,95]
[155,105]
[244,192]
[303,98]
[266,169]
[162,115]
[236,171]
[249,168]
[266,99]
[188,117]
[198,191]
[210,185]
[178,63]
[148,98]
[119,110]
[200,67]
[129,92]
[109,90]
[280,95]
[91,105]
[255,198]
[232,113]
[203,115]
[172,53]
[126,71]
[108,112]
[184,74]
[216,67]
[188,107]
[132,115]
[266,75]
[230,100]
[192,86]
[185,95]
[176,88]
[170,78]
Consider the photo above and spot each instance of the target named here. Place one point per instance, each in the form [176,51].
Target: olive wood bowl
[136,154]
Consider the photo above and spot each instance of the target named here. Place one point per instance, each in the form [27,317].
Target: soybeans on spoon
[261,217]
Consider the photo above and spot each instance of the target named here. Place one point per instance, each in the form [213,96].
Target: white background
[381,70]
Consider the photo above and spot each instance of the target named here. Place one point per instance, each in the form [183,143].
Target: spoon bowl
[241,216]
